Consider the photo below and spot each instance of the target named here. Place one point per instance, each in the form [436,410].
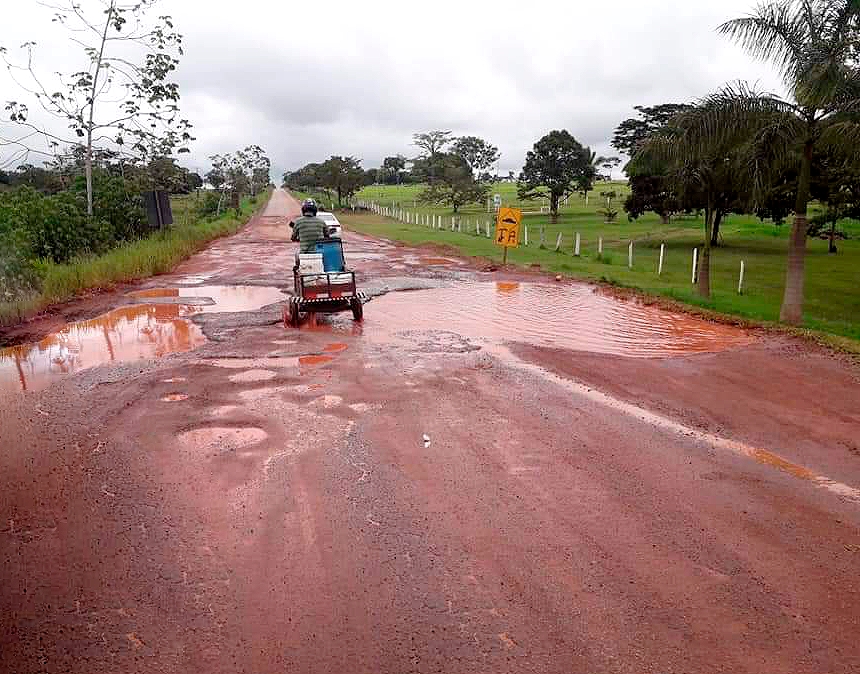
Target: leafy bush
[54,227]
[118,204]
[18,276]
[207,206]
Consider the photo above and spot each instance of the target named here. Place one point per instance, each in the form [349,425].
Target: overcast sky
[308,80]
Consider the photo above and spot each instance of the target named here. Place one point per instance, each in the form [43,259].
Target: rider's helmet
[309,207]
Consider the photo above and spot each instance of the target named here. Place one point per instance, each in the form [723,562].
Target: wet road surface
[494,473]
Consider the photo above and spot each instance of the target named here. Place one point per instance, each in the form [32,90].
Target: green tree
[813,43]
[454,183]
[478,154]
[343,175]
[633,132]
[711,178]
[431,143]
[123,99]
[393,168]
[552,169]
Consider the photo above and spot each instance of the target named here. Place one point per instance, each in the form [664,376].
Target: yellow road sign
[508,227]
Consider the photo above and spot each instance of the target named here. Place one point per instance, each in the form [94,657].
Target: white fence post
[600,245]
[695,262]
[576,247]
[630,256]
[526,232]
[660,266]
[741,280]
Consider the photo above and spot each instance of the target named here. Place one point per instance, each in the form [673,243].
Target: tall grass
[156,254]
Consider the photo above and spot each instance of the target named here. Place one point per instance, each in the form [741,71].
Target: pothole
[250,376]
[222,440]
[126,334]
[174,397]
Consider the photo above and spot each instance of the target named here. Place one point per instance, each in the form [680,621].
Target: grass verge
[153,255]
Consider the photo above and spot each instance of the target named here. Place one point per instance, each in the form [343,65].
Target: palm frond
[734,114]
[775,33]
[841,137]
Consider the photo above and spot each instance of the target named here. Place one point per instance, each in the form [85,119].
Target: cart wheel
[293,317]
[357,309]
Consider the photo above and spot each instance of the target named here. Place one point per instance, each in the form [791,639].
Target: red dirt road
[619,490]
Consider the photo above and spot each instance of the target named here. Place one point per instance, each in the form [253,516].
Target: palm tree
[706,174]
[814,45]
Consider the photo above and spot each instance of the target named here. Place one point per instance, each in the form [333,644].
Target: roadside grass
[156,254]
[832,298]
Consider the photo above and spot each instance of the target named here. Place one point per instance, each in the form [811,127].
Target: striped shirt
[308,231]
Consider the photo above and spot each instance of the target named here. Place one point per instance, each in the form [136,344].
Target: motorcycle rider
[308,229]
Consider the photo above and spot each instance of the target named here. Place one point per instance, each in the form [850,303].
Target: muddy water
[564,316]
[227,299]
[125,334]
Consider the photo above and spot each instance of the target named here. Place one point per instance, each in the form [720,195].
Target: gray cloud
[307,81]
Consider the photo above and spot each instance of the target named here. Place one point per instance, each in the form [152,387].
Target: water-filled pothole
[154,328]
[122,335]
[214,299]
[567,316]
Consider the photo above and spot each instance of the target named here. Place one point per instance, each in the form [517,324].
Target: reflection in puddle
[123,335]
[336,347]
[126,334]
[569,316]
[315,360]
[174,397]
[227,299]
[507,287]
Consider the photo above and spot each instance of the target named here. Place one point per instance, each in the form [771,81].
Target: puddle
[215,299]
[568,316]
[337,347]
[135,332]
[123,335]
[314,360]
[252,363]
[174,397]
[435,261]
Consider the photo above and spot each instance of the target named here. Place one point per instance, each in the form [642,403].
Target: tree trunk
[704,280]
[88,162]
[792,301]
[831,248]
[664,218]
[553,207]
[715,230]
[88,170]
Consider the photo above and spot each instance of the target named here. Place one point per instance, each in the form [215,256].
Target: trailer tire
[357,309]
[293,318]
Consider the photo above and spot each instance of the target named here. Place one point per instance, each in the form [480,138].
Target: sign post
[508,229]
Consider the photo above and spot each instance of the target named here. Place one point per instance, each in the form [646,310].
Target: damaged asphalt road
[462,483]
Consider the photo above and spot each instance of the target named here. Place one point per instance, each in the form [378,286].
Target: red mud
[574,511]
